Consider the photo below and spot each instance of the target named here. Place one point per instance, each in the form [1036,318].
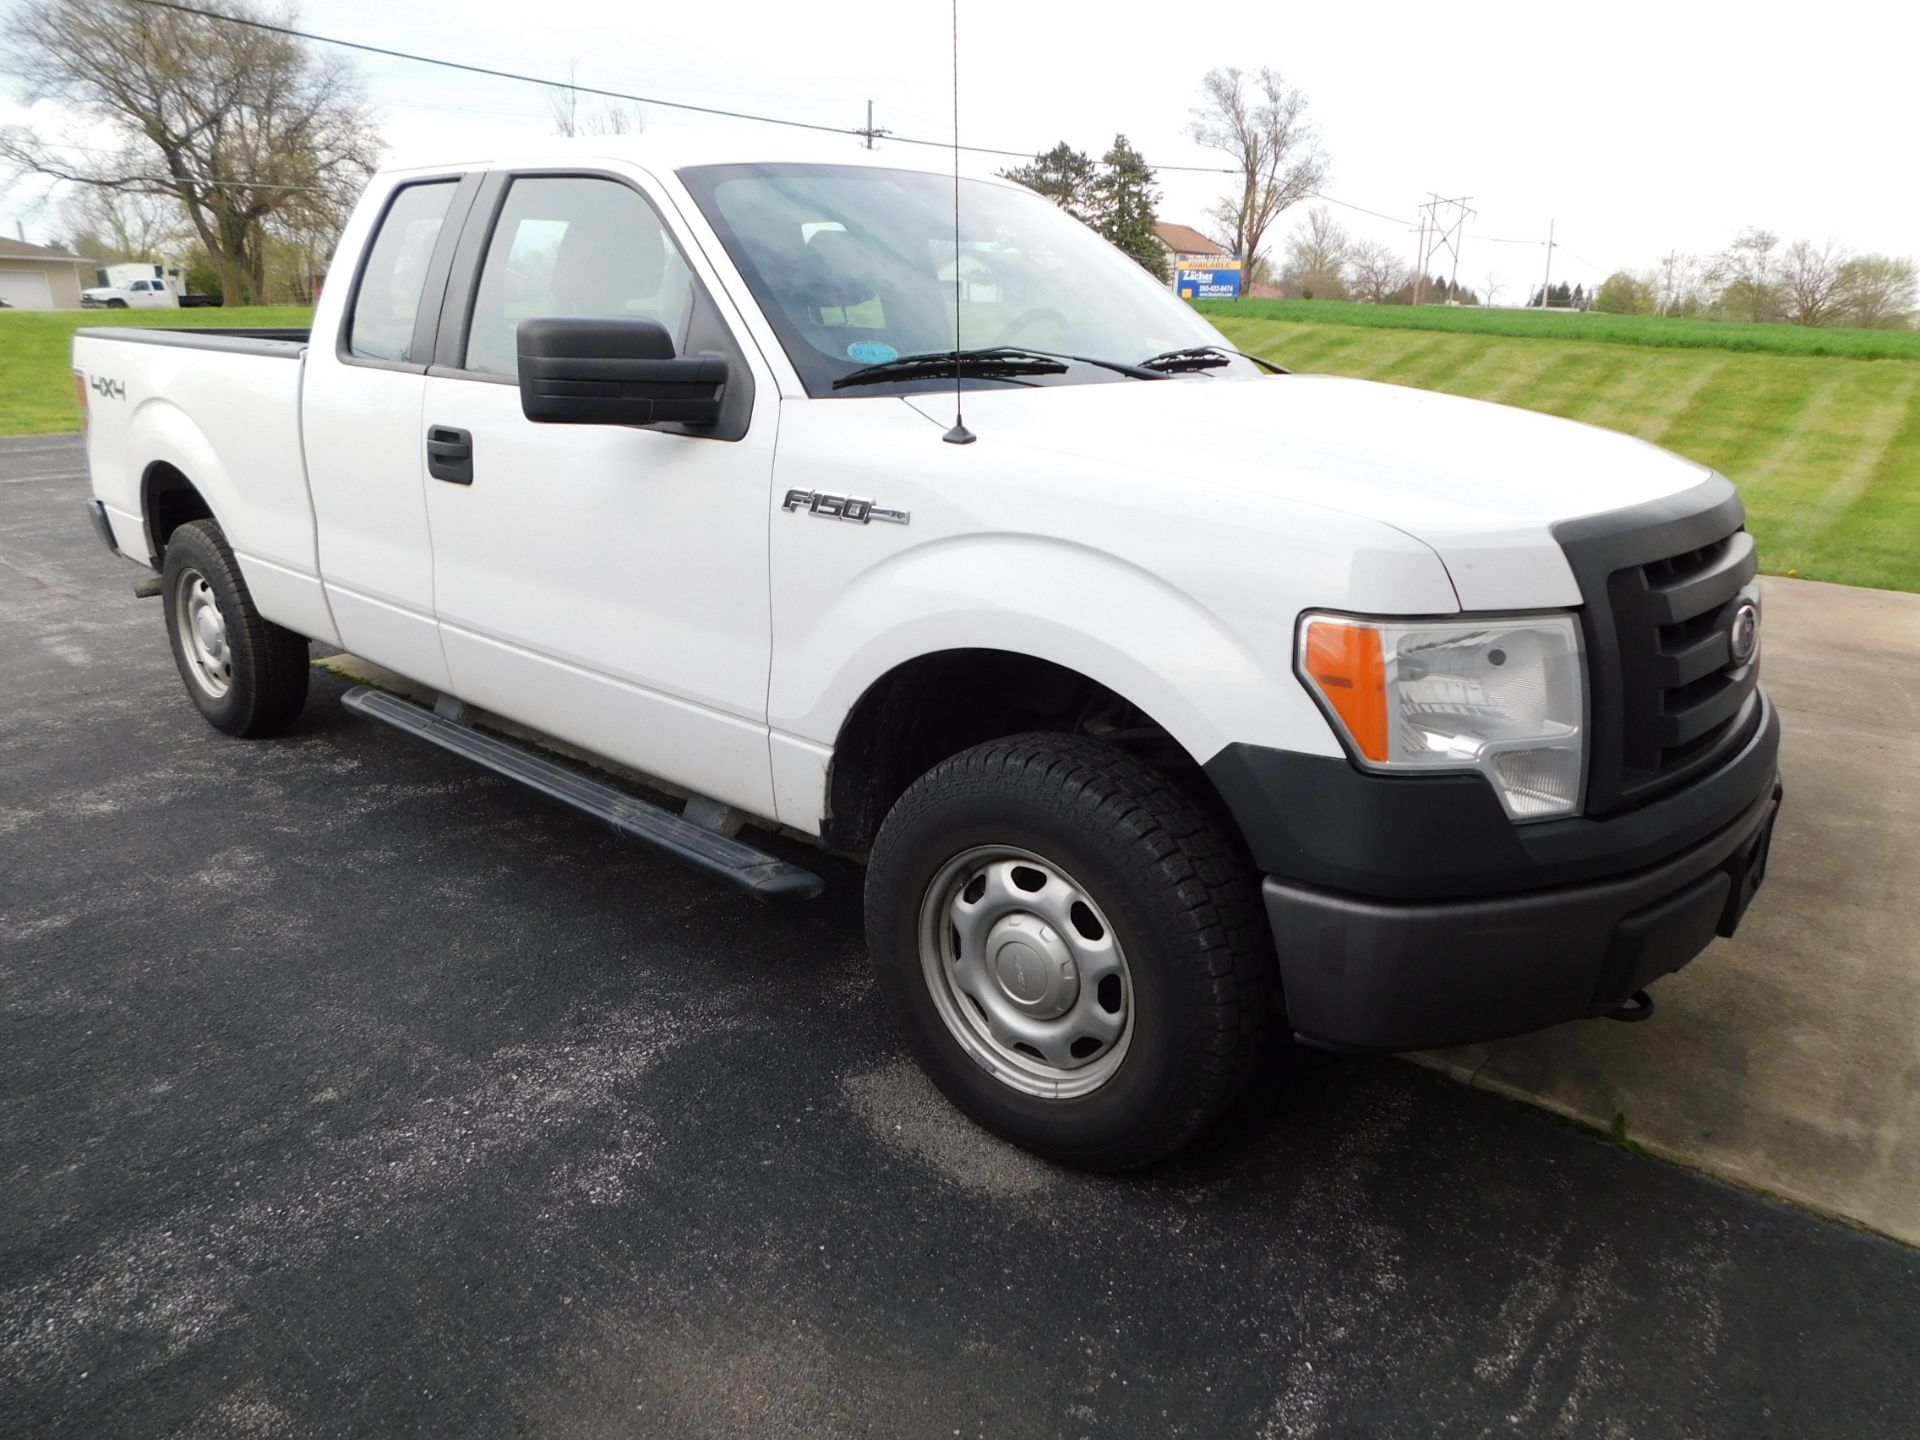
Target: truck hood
[1479,483]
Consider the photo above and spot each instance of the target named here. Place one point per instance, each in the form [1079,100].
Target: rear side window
[388,300]
[574,245]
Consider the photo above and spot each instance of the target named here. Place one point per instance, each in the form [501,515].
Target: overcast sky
[1637,127]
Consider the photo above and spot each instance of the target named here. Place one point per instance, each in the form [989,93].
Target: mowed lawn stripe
[1854,460]
[1878,521]
[1826,449]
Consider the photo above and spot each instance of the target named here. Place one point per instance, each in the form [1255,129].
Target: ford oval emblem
[1744,638]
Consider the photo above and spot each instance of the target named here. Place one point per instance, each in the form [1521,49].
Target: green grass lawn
[36,378]
[1647,330]
[1825,450]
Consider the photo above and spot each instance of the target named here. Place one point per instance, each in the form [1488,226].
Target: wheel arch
[933,706]
[168,500]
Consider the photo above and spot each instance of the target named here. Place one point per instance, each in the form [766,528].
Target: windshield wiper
[992,362]
[996,363]
[1139,372]
[1204,357]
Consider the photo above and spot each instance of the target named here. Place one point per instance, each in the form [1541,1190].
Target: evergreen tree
[1065,176]
[1124,200]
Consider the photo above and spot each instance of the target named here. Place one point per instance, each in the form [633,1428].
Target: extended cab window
[388,300]
[574,245]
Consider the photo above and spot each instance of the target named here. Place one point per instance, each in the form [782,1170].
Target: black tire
[116,304]
[1182,902]
[266,678]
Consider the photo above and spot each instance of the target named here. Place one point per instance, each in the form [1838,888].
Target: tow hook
[1635,1008]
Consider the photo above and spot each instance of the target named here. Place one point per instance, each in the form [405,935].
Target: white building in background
[37,277]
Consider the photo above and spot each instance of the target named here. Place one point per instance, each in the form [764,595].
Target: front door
[601,583]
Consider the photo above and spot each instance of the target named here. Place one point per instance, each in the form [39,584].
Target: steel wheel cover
[203,635]
[1026,972]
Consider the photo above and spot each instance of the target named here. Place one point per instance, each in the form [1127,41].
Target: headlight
[1505,696]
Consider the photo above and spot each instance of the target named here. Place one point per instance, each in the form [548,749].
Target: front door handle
[450,454]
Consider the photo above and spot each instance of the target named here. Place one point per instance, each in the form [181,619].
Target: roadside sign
[1218,280]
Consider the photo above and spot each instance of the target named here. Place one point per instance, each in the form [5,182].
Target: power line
[858,132]
[295,34]
[868,132]
[1316,195]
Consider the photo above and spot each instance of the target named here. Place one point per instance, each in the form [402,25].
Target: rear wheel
[247,675]
[1071,947]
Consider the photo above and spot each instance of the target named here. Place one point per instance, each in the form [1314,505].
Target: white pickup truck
[1165,699]
[122,292]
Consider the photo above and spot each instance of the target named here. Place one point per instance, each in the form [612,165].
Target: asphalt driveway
[346,1090]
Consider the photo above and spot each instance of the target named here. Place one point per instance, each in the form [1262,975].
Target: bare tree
[1261,122]
[114,226]
[1810,282]
[1748,275]
[610,118]
[1375,271]
[1317,255]
[1877,290]
[1677,283]
[247,130]
[1494,286]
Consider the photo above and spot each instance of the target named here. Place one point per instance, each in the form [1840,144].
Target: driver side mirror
[614,371]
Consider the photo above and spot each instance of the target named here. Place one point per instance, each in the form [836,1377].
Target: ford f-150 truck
[1165,698]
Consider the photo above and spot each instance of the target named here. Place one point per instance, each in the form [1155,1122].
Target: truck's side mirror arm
[614,371]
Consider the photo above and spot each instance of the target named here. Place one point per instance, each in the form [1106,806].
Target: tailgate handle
[450,454]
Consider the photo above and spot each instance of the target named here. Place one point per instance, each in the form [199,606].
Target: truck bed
[286,344]
[219,408]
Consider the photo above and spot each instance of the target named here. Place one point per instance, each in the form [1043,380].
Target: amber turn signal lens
[1345,664]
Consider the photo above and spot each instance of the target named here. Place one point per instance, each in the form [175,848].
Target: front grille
[1660,585]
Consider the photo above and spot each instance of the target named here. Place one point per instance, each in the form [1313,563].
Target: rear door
[360,413]
[602,583]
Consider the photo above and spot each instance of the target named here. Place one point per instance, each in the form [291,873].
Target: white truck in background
[1163,697]
[139,285]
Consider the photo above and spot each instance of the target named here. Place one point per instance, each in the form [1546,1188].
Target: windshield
[855,266]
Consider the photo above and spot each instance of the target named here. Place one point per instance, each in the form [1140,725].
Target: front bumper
[1404,919]
[1364,974]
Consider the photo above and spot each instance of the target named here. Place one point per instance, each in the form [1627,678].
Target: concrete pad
[1788,1058]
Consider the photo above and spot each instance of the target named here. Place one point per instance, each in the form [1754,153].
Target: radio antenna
[959,434]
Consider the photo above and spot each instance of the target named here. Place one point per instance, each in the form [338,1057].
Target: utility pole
[870,131]
[1546,285]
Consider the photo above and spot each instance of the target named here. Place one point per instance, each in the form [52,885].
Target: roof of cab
[669,149]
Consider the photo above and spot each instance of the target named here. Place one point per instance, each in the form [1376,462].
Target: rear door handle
[450,454]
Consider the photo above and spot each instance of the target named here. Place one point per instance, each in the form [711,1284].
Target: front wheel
[247,675]
[1071,947]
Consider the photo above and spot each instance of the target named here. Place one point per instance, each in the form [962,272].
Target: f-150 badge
[842,507]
